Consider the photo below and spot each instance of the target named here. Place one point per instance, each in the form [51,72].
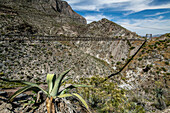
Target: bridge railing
[63,38]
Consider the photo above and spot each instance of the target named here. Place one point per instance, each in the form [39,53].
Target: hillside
[138,85]
[17,19]
[50,17]
[36,16]
[148,74]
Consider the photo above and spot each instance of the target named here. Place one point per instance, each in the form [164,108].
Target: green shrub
[167,63]
[147,51]
[157,72]
[150,65]
[123,59]
[118,63]
[167,73]
[163,69]
[151,46]
[131,48]
[165,45]
[143,51]
[139,59]
[157,43]
[129,43]
[105,97]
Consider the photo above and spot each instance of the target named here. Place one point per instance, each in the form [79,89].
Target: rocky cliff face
[46,16]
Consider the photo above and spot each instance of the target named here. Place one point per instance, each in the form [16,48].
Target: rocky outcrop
[102,28]
[64,7]
[51,7]
[106,28]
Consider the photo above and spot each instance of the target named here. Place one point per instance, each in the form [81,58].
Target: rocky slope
[36,16]
[32,60]
[36,59]
[48,18]
[106,28]
[148,75]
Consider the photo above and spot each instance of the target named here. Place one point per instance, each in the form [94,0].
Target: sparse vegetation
[54,84]
[106,97]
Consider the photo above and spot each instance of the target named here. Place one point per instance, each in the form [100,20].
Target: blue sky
[140,16]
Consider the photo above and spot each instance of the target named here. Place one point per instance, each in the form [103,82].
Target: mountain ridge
[53,17]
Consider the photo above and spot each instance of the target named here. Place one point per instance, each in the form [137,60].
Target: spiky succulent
[54,85]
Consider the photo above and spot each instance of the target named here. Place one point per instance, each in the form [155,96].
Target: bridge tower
[148,36]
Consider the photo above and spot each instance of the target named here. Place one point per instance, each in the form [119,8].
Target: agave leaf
[82,100]
[19,92]
[24,82]
[78,96]
[65,95]
[64,80]
[57,83]
[83,85]
[35,85]
[63,91]
[72,87]
[50,83]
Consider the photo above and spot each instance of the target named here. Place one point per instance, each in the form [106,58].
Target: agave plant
[54,90]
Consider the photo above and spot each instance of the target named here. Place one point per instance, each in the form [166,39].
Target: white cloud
[140,5]
[111,1]
[94,5]
[73,1]
[140,26]
[158,13]
[146,26]
[126,5]
[87,8]
[91,18]
[156,25]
